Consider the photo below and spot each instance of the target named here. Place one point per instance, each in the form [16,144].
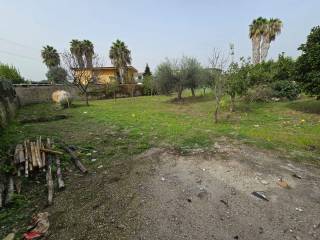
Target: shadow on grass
[308,106]
[190,100]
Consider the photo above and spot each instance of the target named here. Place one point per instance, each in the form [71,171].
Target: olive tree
[176,75]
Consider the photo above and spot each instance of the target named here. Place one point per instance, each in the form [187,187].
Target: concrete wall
[8,102]
[29,94]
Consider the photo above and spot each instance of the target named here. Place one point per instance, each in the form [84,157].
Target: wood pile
[32,157]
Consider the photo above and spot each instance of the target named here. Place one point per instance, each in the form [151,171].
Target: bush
[259,93]
[286,89]
[10,73]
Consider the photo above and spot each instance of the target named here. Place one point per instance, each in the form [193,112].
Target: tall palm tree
[271,30]
[256,29]
[120,57]
[88,52]
[76,49]
[50,56]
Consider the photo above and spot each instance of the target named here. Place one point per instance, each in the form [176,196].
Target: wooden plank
[75,159]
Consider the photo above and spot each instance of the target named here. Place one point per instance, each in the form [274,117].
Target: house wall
[108,75]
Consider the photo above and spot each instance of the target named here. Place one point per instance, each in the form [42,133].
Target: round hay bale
[62,97]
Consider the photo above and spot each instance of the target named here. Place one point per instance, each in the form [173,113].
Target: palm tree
[76,49]
[120,57]
[50,56]
[272,29]
[88,52]
[256,29]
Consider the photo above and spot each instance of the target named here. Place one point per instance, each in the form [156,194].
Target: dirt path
[166,195]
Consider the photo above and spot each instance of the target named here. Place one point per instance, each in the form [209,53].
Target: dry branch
[75,159]
[49,175]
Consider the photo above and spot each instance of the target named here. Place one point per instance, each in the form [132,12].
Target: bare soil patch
[162,194]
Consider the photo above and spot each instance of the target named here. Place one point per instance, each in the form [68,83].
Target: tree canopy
[10,73]
[308,64]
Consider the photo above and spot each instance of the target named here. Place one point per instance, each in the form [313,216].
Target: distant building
[103,75]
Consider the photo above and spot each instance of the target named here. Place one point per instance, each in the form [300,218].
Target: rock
[264,182]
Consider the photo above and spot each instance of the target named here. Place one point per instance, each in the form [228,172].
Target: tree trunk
[180,93]
[216,112]
[256,50]
[192,92]
[233,98]
[265,48]
[87,98]
[204,91]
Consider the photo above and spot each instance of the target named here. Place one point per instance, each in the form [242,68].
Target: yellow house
[104,75]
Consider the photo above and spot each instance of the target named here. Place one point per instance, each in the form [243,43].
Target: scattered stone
[261,230]
[299,209]
[101,166]
[163,179]
[264,182]
[93,160]
[224,202]
[296,176]
[260,195]
[283,183]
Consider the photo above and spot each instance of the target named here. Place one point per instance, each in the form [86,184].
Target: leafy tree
[149,86]
[165,77]
[57,75]
[237,80]
[120,57]
[308,64]
[206,80]
[50,56]
[10,73]
[147,71]
[176,75]
[192,73]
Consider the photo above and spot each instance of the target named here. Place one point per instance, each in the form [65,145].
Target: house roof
[113,68]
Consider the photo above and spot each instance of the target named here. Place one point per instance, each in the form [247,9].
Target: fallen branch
[75,159]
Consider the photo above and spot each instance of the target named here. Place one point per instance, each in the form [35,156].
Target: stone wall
[29,94]
[8,102]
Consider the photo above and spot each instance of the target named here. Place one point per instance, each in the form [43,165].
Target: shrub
[10,73]
[286,89]
[259,93]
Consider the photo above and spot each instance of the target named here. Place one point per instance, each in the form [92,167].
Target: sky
[152,30]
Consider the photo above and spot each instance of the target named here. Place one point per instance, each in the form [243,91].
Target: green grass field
[138,123]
